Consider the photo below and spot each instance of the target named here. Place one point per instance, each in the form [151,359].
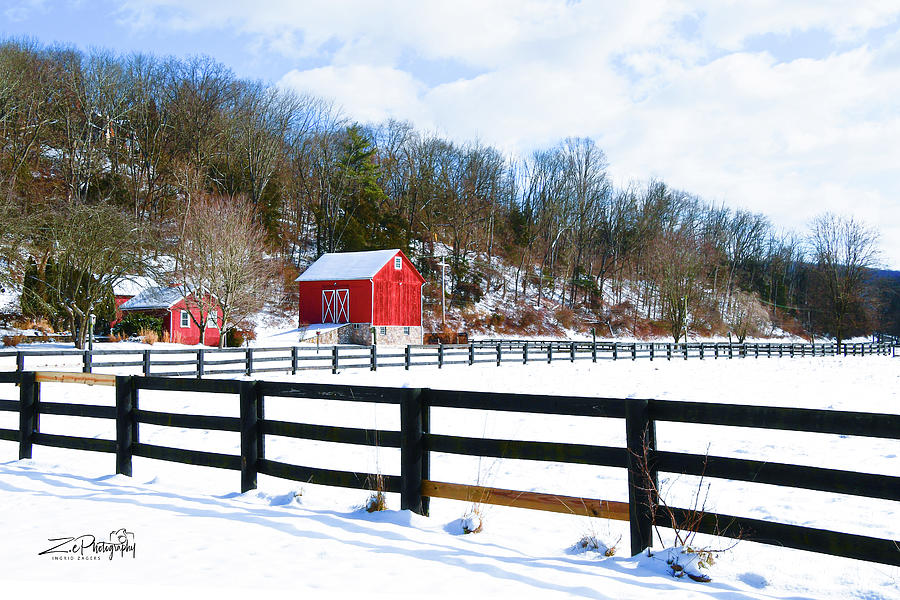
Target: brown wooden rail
[571,505]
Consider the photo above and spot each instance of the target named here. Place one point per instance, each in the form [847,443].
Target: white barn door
[328,306]
[342,309]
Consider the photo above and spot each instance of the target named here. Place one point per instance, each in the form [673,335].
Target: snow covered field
[192,529]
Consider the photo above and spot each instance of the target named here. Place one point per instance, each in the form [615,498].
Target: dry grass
[149,336]
[565,317]
[41,325]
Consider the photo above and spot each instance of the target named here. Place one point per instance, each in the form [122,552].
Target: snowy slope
[191,525]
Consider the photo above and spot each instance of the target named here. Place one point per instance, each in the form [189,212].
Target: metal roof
[155,297]
[348,265]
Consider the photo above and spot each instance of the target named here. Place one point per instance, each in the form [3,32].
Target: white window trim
[398,263]
[185,322]
[382,331]
[212,319]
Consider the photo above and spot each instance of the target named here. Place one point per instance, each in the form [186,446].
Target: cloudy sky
[788,108]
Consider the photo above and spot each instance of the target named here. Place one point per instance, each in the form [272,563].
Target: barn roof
[132,285]
[154,298]
[348,265]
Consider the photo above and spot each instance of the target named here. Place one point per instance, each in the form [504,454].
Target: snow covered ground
[192,530]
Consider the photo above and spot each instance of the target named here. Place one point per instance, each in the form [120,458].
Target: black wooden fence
[416,442]
[200,362]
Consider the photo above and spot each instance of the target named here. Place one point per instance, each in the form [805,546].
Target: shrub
[133,323]
[528,317]
[238,336]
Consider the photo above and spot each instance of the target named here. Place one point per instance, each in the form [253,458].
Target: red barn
[168,303]
[378,289]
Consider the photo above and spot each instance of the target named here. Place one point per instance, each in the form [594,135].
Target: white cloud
[366,93]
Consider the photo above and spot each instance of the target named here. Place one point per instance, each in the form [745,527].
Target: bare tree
[676,266]
[844,250]
[222,261]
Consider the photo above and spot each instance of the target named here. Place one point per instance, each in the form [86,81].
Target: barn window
[356,326]
[398,263]
[212,319]
[382,331]
[185,322]
[406,331]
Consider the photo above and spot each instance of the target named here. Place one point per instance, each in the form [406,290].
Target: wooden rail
[85,378]
[570,505]
[416,444]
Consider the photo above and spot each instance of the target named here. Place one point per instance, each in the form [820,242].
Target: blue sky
[788,108]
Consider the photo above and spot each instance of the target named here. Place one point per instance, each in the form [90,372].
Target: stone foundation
[360,334]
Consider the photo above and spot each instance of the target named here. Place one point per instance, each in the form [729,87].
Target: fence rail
[203,362]
[640,457]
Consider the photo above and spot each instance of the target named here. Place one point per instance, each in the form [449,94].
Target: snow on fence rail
[416,441]
[200,362]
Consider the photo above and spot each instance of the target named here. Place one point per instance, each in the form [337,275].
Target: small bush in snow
[591,543]
[376,502]
[472,521]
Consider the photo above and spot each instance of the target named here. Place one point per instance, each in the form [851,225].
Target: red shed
[378,289]
[169,304]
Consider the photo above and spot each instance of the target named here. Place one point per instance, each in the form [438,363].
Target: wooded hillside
[101,157]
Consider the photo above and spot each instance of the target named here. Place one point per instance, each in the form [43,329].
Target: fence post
[146,361]
[668,351]
[634,351]
[471,353]
[549,352]
[615,350]
[701,350]
[335,360]
[406,358]
[199,363]
[414,467]
[525,354]
[29,394]
[684,348]
[499,353]
[293,360]
[640,434]
[594,351]
[440,355]
[126,423]
[248,367]
[20,362]
[374,351]
[250,434]
[572,351]
[88,361]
